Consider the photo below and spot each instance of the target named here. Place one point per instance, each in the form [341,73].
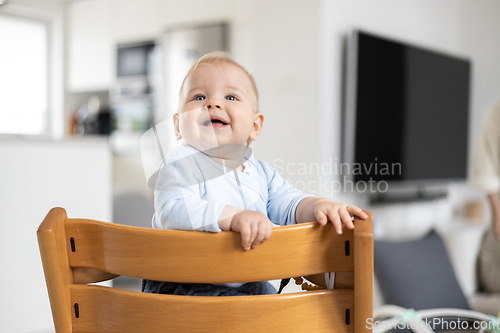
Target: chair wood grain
[79,251]
[58,274]
[208,257]
[363,273]
[103,309]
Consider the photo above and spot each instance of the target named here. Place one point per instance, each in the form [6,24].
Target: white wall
[287,73]
[36,176]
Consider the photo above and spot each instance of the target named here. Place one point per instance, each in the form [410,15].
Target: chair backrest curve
[80,251]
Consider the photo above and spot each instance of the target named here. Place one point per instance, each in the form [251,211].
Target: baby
[211,183]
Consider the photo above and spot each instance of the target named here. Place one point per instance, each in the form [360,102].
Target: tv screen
[409,112]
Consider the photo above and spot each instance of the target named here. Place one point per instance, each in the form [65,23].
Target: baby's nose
[213,104]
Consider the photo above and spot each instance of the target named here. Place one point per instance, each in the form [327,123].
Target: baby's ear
[178,135]
[258,121]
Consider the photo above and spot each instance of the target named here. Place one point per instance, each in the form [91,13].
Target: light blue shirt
[192,190]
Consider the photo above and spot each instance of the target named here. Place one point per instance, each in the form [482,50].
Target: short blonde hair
[219,57]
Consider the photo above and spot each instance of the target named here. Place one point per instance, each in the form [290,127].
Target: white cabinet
[36,176]
[91,47]
[95,27]
[134,21]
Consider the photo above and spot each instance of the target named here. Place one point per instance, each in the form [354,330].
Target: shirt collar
[248,167]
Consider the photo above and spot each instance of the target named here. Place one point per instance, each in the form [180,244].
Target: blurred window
[23,76]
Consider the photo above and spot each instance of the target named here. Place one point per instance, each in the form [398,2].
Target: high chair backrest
[76,252]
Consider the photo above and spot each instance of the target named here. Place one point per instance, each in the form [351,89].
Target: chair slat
[363,273]
[90,275]
[58,275]
[103,309]
[214,258]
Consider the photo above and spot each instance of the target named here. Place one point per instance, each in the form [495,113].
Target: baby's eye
[230,98]
[199,98]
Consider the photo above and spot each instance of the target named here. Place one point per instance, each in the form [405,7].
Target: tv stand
[419,194]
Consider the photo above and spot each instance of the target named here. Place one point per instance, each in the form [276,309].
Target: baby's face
[217,107]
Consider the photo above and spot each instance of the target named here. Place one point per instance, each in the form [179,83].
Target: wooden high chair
[76,252]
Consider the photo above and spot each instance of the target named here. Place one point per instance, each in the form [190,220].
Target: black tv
[407,108]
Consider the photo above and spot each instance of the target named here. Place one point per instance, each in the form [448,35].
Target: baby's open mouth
[215,121]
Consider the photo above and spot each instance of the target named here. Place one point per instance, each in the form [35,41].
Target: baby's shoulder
[183,155]
[259,164]
[180,152]
[263,169]
[184,162]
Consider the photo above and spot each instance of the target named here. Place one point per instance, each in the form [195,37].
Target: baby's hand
[254,228]
[326,210]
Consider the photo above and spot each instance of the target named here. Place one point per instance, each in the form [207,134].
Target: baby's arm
[253,226]
[324,210]
[226,217]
